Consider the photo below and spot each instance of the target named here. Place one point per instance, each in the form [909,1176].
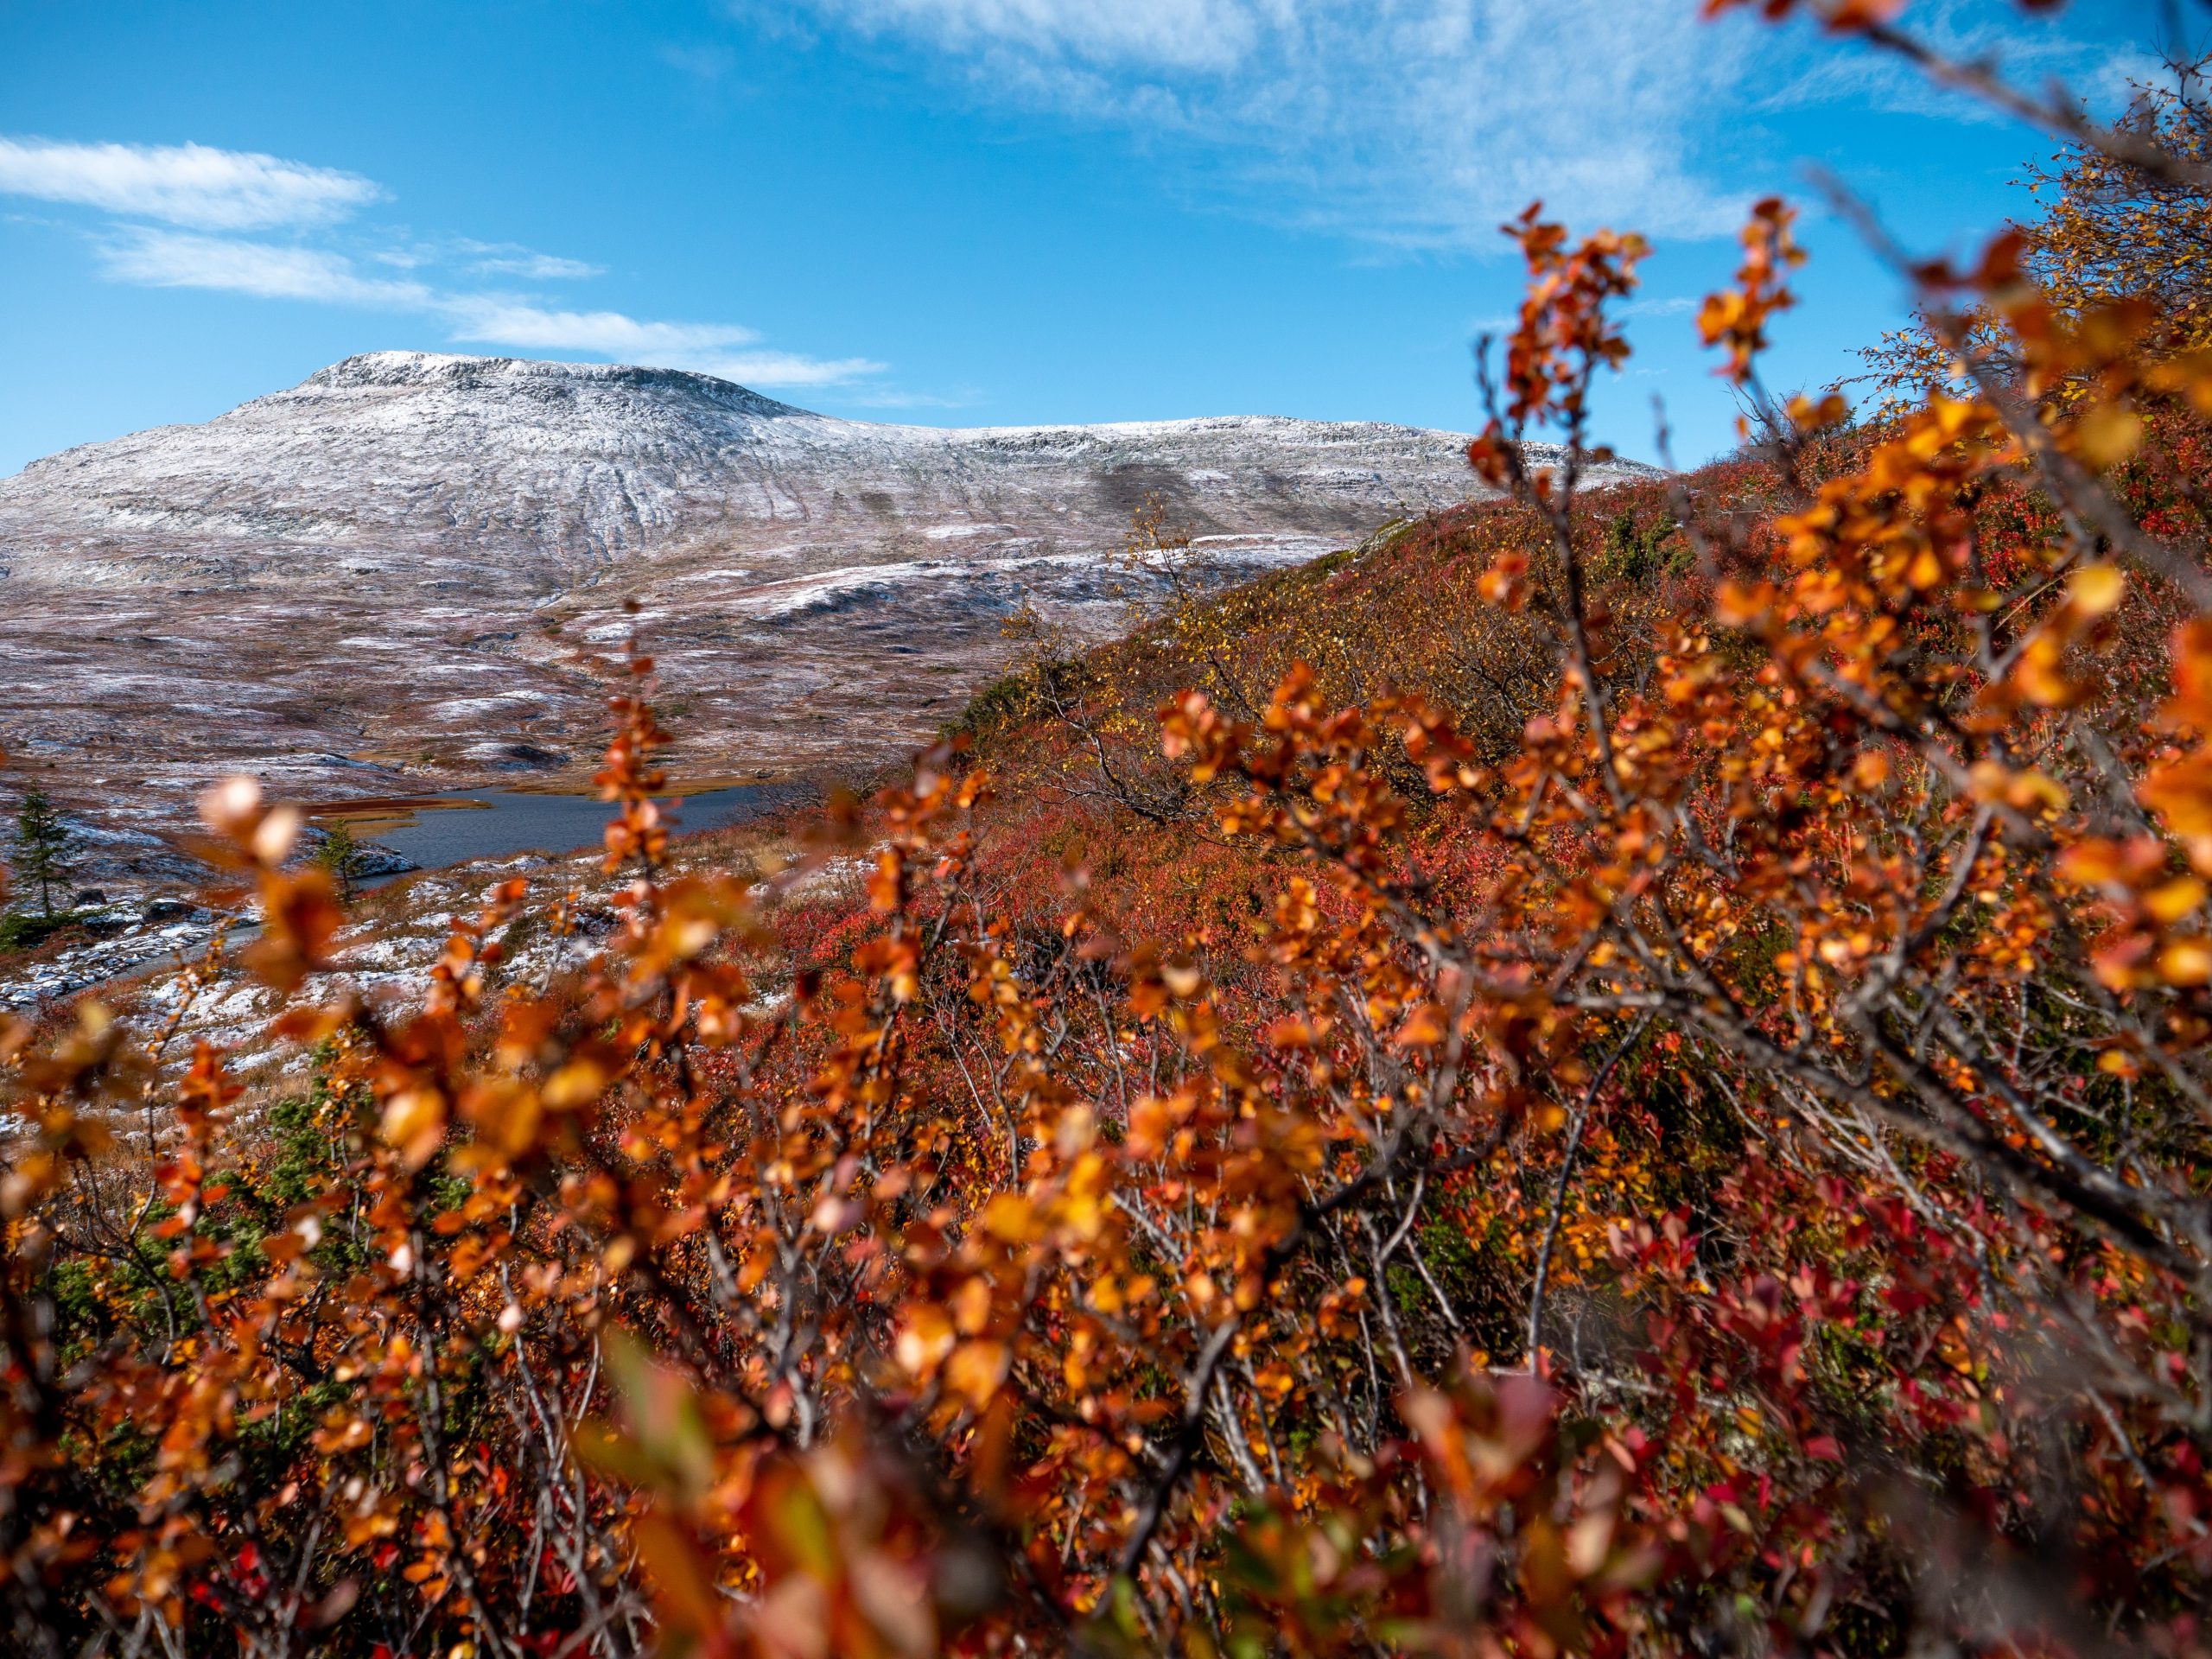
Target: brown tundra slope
[395,576]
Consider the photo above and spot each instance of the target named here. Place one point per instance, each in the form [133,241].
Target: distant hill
[380,579]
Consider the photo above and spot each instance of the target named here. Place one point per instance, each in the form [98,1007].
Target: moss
[81,1321]
[1636,554]
[21,930]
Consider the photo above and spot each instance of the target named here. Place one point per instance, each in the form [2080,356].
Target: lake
[440,829]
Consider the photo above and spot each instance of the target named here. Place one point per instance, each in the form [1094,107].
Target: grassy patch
[22,931]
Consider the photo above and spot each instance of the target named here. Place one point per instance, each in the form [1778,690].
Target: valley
[412,572]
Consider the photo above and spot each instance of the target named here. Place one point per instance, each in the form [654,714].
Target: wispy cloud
[1418,122]
[512,322]
[159,258]
[1206,35]
[182,184]
[506,259]
[155,258]
[1424,123]
[709,348]
[1864,78]
[210,191]
[787,370]
[540,267]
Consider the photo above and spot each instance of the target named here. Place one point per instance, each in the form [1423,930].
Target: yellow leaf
[976,1368]
[2032,790]
[2186,962]
[1010,1218]
[577,1084]
[971,1307]
[925,1338]
[2108,435]
[2096,590]
[414,1123]
[2168,904]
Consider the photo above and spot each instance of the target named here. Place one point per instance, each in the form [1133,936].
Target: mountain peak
[396,575]
[460,371]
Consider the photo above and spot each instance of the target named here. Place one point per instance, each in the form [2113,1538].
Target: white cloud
[2122,78]
[508,259]
[1182,34]
[1417,123]
[181,259]
[540,267]
[1427,123]
[218,190]
[1968,31]
[183,184]
[707,347]
[230,264]
[610,333]
[783,369]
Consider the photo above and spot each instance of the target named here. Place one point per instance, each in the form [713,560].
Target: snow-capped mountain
[570,465]
[380,579]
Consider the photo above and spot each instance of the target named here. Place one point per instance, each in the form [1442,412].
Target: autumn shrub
[23,930]
[1611,1072]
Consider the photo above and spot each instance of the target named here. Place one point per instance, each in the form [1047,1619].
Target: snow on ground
[168,976]
[409,572]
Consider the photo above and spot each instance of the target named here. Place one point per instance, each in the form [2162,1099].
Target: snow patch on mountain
[368,582]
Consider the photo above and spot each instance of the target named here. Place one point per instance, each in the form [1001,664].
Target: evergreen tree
[340,854]
[42,847]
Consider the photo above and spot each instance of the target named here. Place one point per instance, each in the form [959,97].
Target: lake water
[499,824]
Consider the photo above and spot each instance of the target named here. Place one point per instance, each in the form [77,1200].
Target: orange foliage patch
[1609,1073]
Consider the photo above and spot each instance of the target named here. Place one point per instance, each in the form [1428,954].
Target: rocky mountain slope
[394,577]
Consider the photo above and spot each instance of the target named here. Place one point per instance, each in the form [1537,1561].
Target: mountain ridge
[397,575]
[659,450]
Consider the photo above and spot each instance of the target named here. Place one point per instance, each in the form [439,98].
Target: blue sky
[959,212]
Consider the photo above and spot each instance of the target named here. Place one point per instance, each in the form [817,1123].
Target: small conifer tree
[42,847]
[340,854]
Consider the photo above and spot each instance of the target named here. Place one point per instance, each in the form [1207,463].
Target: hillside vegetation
[1618,1071]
